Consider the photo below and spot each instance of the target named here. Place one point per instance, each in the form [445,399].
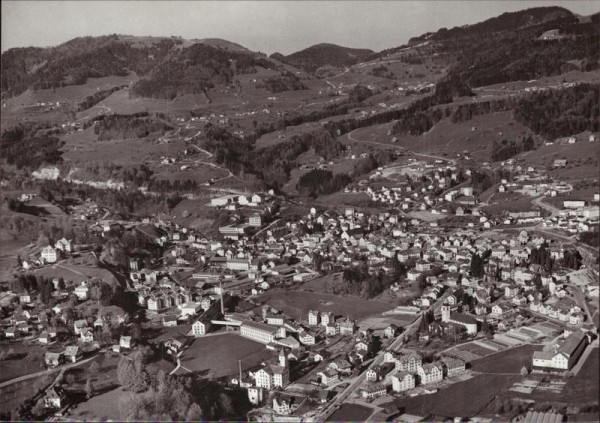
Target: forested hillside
[72,63]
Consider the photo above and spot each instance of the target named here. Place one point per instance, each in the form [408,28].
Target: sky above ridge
[266,26]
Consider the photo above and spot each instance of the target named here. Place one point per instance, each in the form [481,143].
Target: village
[491,284]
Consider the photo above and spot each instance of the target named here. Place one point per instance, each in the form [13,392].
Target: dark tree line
[97,97]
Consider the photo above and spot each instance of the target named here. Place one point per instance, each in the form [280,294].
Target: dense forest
[320,182]
[30,146]
[558,113]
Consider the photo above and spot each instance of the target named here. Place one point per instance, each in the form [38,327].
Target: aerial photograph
[300,211]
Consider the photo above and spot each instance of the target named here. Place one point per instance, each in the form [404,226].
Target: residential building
[403,381]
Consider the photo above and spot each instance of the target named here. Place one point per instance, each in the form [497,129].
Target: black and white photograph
[300,211]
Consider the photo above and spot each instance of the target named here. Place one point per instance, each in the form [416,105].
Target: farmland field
[218,355]
[350,412]
[298,303]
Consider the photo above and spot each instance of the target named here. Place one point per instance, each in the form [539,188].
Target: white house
[49,255]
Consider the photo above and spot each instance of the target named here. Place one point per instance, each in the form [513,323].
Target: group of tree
[478,262]
[125,202]
[138,125]
[590,238]
[505,149]
[358,281]
[572,259]
[321,182]
[542,256]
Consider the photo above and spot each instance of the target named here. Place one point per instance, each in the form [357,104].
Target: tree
[422,282]
[125,373]
[94,369]
[194,413]
[524,371]
[136,332]
[89,388]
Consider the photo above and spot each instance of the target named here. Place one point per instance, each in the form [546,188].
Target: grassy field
[447,137]
[297,303]
[350,412]
[464,399]
[509,361]
[28,358]
[218,355]
[103,407]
